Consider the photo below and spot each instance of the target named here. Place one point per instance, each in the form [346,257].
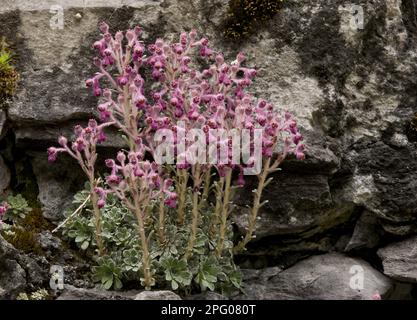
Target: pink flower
[52,154]
[376,296]
[113,179]
[62,141]
[101,203]
[3,208]
[110,163]
[104,27]
[299,152]
[121,157]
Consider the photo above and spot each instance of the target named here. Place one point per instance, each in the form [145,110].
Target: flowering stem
[97,217]
[195,213]
[206,190]
[182,188]
[146,261]
[78,210]
[161,226]
[255,209]
[219,197]
[224,213]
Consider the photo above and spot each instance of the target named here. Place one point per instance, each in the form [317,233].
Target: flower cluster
[3,208]
[133,171]
[84,145]
[212,98]
[83,149]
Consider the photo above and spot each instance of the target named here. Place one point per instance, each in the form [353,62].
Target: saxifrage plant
[181,209]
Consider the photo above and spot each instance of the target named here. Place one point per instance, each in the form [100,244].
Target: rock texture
[400,260]
[14,280]
[17,272]
[157,295]
[73,293]
[352,88]
[322,277]
[367,233]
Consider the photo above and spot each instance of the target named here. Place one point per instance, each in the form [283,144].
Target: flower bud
[121,157]
[104,27]
[92,123]
[62,141]
[118,36]
[89,83]
[52,154]
[110,163]
[101,203]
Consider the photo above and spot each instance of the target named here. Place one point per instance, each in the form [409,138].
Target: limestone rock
[73,293]
[399,260]
[326,277]
[157,295]
[367,233]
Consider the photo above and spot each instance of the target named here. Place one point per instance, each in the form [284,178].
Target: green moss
[8,75]
[244,16]
[23,239]
[35,221]
[23,236]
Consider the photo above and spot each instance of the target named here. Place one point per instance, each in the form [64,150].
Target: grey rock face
[48,241]
[57,184]
[298,204]
[327,277]
[157,295]
[208,295]
[74,293]
[400,260]
[13,276]
[366,234]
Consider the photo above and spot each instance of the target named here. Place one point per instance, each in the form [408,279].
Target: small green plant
[18,208]
[108,273]
[20,224]
[244,16]
[177,272]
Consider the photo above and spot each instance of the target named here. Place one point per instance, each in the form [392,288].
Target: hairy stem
[146,259]
[255,209]
[182,189]
[161,226]
[216,216]
[224,213]
[206,189]
[97,217]
[195,213]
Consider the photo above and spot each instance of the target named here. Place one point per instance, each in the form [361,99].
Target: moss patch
[23,239]
[8,75]
[23,236]
[245,16]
